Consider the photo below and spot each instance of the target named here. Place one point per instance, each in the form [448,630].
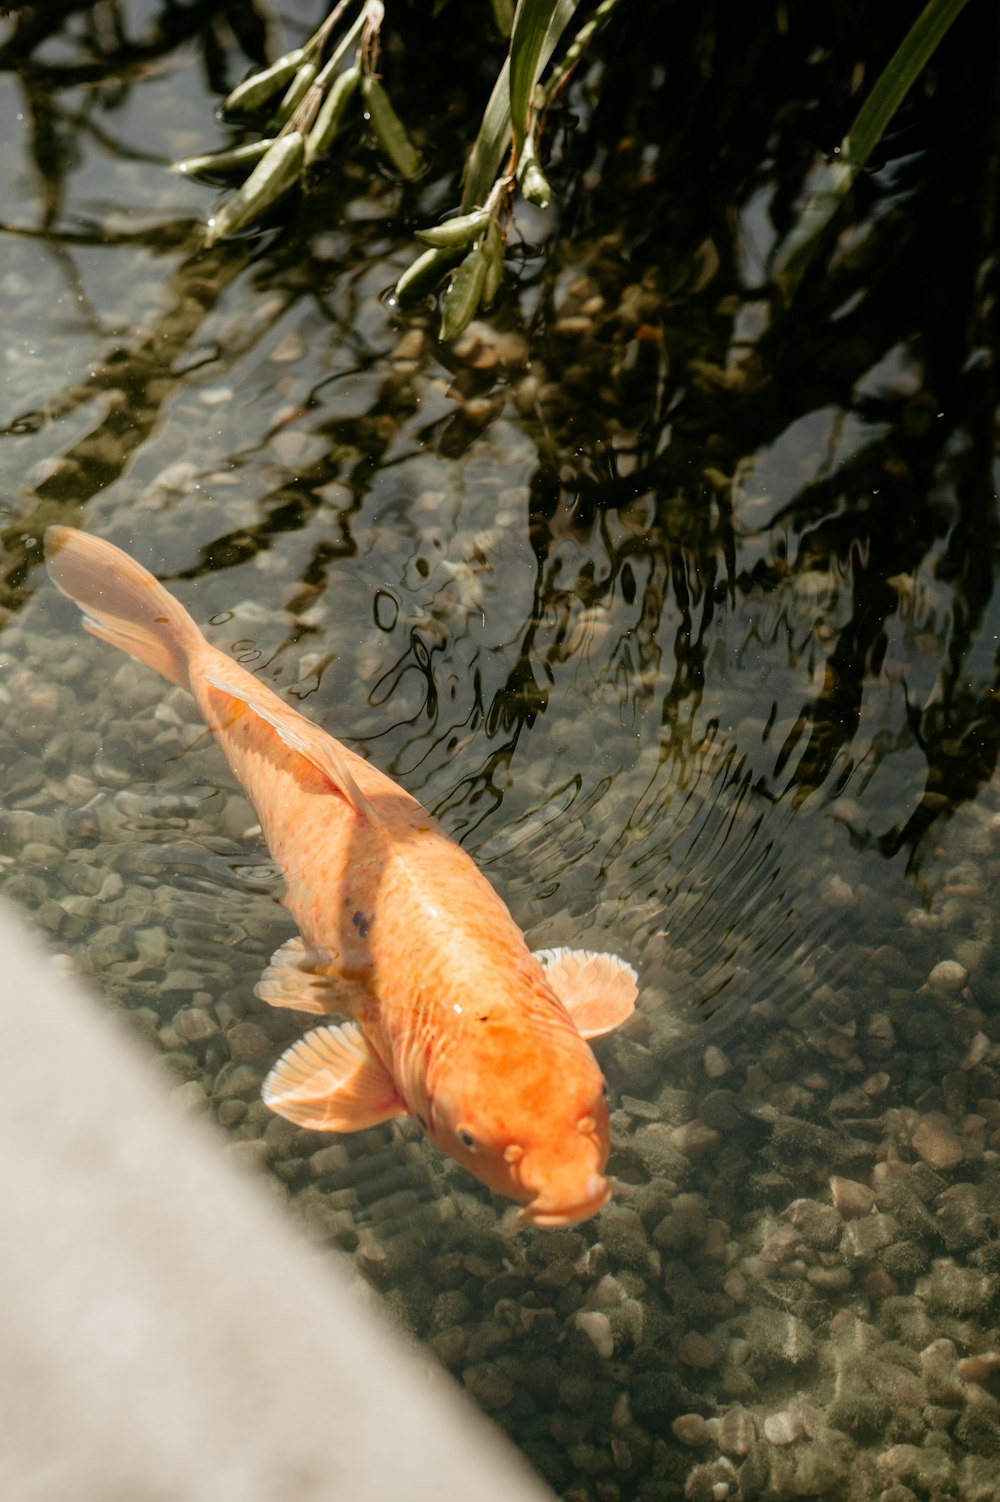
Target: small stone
[850,1198]
[684,1227]
[192,1025]
[716,1063]
[237,1079]
[782,1428]
[289,348]
[955,1090]
[948,975]
[819,1471]
[597,1327]
[981,1367]
[231,1113]
[655,1148]
[511,348]
[721,1110]
[734,1285]
[957,1290]
[936,1143]
[737,1431]
[777,1338]
[818,1225]
[830,1279]
[877,1284]
[976,1051]
[411,346]
[247,1040]
[621,1453]
[864,1238]
[838,893]
[691,1429]
[332,1159]
[961,1219]
[695,1139]
[694,1350]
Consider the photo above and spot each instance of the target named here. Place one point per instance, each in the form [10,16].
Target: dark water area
[675,604]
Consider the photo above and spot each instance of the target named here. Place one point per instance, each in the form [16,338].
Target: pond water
[677,608]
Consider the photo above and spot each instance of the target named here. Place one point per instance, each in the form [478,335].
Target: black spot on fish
[361,923]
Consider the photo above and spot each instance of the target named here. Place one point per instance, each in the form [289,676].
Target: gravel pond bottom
[794,1292]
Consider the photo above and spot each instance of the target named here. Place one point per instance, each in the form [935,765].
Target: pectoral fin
[597,990]
[300,977]
[332,1081]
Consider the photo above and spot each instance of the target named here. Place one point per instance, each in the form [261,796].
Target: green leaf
[531,24]
[495,131]
[490,144]
[389,129]
[835,179]
[538,28]
[455,232]
[424,272]
[463,296]
[332,114]
[271,177]
[260,87]
[493,251]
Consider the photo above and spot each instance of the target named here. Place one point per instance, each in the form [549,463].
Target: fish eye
[467,1139]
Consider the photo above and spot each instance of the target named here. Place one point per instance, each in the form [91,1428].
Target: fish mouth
[548,1217]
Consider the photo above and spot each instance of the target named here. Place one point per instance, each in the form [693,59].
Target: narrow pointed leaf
[389,129]
[332,114]
[271,177]
[493,250]
[538,26]
[231,159]
[422,273]
[463,296]
[494,137]
[456,232]
[869,127]
[261,87]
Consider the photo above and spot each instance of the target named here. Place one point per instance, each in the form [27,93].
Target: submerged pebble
[691,1429]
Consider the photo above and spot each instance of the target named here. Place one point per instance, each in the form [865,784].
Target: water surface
[676,607]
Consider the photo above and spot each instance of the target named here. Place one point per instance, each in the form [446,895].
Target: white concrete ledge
[163,1332]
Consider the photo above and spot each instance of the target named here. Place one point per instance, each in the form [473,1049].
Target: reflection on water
[677,610]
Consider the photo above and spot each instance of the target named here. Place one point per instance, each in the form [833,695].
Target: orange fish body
[453,1019]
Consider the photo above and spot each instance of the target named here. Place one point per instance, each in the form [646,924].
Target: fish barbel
[452,1019]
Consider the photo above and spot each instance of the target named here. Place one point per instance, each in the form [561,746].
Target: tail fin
[122,603]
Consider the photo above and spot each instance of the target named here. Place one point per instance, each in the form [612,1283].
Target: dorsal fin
[298,733]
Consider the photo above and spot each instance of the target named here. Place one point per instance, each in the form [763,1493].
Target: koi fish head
[539,1138]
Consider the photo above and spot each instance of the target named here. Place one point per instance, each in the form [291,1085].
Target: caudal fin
[122,603]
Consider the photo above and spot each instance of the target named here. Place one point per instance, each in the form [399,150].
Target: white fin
[122,603]
[331,1081]
[291,980]
[298,733]
[597,990]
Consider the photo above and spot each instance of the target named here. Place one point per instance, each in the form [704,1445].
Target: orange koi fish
[452,1019]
